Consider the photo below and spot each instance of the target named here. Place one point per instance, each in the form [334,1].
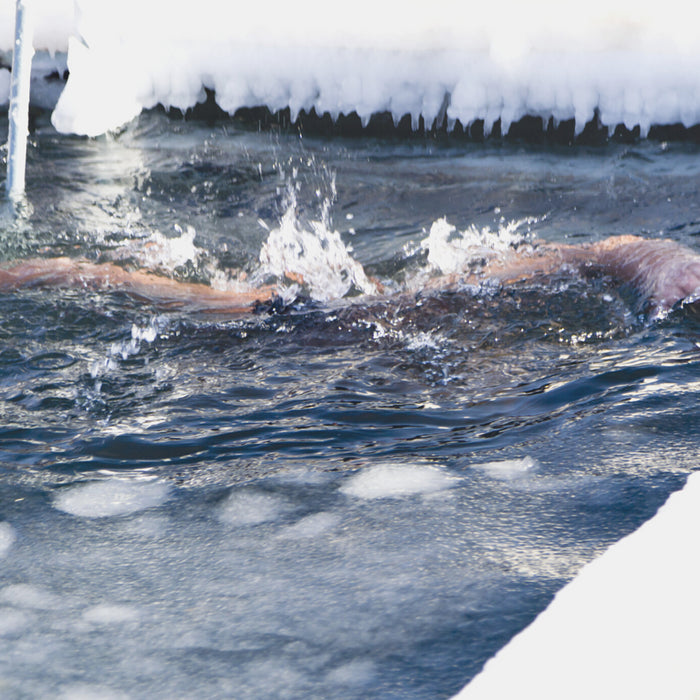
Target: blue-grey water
[199,506]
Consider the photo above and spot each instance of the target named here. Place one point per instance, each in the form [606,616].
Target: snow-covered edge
[625,627]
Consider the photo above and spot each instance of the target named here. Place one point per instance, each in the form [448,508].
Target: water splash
[161,253]
[451,251]
[123,350]
[312,254]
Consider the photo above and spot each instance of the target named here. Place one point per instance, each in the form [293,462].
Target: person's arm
[163,291]
[662,271]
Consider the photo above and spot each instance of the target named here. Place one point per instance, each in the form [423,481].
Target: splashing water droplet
[450,251]
[314,253]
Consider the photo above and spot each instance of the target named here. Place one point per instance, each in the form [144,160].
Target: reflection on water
[332,499]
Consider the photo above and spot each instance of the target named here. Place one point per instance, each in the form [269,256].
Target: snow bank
[54,22]
[626,627]
[635,63]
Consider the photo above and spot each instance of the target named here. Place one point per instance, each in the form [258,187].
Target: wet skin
[662,272]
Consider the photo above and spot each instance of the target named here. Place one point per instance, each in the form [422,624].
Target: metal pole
[22,54]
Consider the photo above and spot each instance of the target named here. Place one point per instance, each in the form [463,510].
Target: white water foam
[158,252]
[111,497]
[396,481]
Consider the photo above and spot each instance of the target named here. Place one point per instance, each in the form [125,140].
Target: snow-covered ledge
[628,626]
[624,62]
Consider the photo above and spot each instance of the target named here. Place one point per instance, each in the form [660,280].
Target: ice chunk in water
[353,673]
[12,621]
[105,614]
[7,538]
[99,499]
[83,691]
[396,480]
[146,526]
[508,468]
[24,595]
[251,508]
[311,526]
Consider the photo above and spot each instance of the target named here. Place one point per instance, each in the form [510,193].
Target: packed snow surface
[634,63]
[625,627]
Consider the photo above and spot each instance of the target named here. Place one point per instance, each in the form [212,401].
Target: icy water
[331,500]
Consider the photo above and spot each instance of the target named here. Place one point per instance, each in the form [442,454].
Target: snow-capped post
[22,53]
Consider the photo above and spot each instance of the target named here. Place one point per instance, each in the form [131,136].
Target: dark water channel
[330,501]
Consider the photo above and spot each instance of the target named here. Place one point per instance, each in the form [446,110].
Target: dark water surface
[198,506]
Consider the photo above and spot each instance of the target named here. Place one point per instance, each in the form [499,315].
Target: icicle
[19,100]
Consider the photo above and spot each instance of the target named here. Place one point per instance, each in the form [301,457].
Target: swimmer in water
[662,272]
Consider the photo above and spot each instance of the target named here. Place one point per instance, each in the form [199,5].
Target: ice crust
[625,627]
[626,62]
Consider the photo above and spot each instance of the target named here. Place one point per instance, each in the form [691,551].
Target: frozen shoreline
[617,66]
